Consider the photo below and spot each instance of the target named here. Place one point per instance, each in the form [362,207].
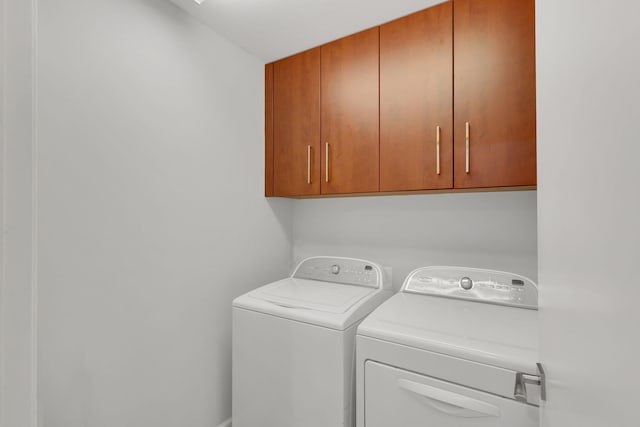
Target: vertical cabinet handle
[326,163]
[308,164]
[438,150]
[466,143]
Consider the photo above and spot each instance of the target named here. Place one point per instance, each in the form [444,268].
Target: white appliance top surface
[312,295]
[350,290]
[496,335]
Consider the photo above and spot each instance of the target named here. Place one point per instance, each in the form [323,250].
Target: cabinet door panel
[296,130]
[494,91]
[268,130]
[416,67]
[350,114]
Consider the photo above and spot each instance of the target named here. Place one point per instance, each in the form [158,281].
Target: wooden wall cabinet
[268,130]
[296,125]
[416,67]
[349,114]
[495,93]
[443,99]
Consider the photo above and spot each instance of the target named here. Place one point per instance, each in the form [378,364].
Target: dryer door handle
[450,403]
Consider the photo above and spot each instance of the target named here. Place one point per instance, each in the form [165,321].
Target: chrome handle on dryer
[522,379]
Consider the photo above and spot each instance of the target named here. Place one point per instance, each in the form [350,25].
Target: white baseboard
[226,423]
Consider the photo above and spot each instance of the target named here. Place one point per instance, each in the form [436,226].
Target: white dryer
[456,347]
[294,344]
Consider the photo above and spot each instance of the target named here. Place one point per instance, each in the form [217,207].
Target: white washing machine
[456,347]
[294,344]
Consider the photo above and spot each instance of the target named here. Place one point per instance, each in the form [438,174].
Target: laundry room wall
[486,230]
[588,65]
[151,213]
[17,296]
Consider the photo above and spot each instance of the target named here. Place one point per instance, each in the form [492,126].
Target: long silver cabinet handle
[466,143]
[308,164]
[326,163]
[438,150]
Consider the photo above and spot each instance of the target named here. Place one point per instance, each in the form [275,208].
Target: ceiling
[273,29]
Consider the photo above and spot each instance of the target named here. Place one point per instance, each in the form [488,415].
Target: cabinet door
[494,93]
[296,124]
[350,131]
[416,67]
[268,130]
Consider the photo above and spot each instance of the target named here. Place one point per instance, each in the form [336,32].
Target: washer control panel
[347,271]
[488,286]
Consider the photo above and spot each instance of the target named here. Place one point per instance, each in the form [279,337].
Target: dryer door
[395,397]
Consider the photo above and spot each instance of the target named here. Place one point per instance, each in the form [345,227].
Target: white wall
[151,213]
[486,230]
[588,210]
[17,295]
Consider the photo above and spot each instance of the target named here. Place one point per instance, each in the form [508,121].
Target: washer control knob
[466,283]
[335,269]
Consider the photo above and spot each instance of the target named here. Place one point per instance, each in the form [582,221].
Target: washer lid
[312,295]
[496,335]
[331,305]
[324,291]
